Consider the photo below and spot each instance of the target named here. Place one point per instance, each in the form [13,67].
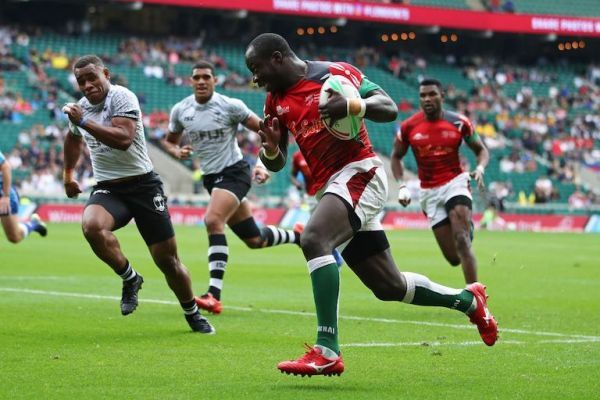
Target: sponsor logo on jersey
[311,98]
[420,136]
[282,110]
[449,134]
[100,191]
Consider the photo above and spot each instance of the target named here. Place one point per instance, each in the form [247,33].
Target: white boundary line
[470,343]
[570,338]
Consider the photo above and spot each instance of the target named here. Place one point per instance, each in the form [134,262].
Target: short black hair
[431,81]
[88,59]
[204,65]
[266,44]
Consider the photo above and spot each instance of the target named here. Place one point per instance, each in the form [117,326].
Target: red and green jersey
[435,145]
[297,110]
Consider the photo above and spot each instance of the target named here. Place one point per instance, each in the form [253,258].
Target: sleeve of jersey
[174,124]
[367,86]
[2,158]
[363,84]
[125,104]
[402,133]
[467,131]
[239,112]
[269,109]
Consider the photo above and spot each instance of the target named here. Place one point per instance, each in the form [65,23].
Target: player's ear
[106,73]
[277,57]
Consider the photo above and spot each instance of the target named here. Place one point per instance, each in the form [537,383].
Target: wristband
[68,175]
[82,122]
[265,155]
[481,169]
[357,107]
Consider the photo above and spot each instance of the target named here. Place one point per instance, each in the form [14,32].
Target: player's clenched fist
[72,188]
[404,196]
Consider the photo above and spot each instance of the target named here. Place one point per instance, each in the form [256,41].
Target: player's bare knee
[214,223]
[312,244]
[14,237]
[389,291]
[454,261]
[92,230]
[168,263]
[254,243]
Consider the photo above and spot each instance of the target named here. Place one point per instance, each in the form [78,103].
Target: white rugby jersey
[109,163]
[211,129]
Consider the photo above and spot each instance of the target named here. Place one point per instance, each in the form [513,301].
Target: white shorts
[433,200]
[362,184]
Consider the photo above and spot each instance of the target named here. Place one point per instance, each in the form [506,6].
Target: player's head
[203,81]
[267,58]
[431,96]
[92,77]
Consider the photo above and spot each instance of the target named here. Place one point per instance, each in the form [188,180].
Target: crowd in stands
[38,157]
[547,132]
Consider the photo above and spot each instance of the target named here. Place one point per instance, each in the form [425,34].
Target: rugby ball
[346,128]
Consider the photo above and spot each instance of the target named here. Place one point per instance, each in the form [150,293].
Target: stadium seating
[158,95]
[441,3]
[587,8]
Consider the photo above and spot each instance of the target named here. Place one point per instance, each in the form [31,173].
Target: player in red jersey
[299,166]
[435,136]
[351,191]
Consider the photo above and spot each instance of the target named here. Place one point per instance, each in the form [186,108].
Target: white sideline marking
[573,338]
[470,343]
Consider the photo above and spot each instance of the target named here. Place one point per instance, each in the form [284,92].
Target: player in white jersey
[14,229]
[108,118]
[210,121]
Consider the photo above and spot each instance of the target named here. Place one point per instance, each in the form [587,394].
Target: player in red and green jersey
[352,189]
[435,136]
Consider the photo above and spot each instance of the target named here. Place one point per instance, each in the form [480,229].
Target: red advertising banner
[404,14]
[179,215]
[518,222]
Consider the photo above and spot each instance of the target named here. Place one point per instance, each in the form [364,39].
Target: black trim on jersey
[318,71]
[452,116]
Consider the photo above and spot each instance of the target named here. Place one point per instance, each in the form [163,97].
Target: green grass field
[62,335]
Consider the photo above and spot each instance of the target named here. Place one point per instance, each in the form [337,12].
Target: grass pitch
[62,335]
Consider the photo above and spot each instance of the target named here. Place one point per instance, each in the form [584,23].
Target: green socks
[326,289]
[423,292]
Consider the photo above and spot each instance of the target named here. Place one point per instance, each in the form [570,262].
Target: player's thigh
[332,222]
[459,212]
[222,206]
[353,200]
[148,204]
[105,210]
